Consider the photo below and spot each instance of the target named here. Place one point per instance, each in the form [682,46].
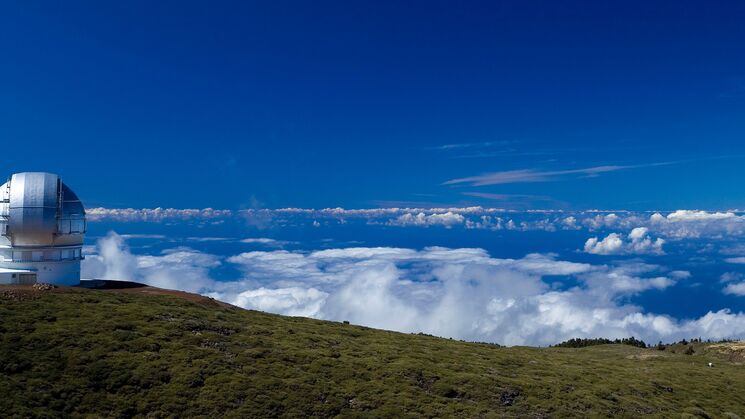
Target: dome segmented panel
[33,209]
[4,213]
[37,209]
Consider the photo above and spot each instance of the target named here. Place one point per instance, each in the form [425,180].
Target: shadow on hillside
[104,284]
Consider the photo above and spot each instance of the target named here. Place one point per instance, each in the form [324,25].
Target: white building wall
[17,277]
[58,273]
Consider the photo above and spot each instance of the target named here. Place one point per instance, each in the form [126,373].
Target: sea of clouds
[463,293]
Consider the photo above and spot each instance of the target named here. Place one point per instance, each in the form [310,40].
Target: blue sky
[367,104]
[415,166]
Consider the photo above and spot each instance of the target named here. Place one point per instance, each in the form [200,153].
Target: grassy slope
[119,354]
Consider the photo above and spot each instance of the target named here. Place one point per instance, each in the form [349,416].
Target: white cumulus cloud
[421,219]
[462,293]
[638,242]
[735,289]
[692,224]
[293,301]
[181,268]
[154,214]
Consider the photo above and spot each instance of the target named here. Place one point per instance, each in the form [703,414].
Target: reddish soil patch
[25,291]
[160,291]
[137,288]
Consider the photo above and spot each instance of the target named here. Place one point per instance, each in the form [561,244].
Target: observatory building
[42,224]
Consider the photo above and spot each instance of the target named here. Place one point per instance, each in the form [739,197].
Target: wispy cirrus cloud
[507,197]
[533,175]
[516,200]
[736,90]
[538,175]
[473,145]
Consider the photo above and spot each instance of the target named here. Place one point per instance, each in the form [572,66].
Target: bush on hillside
[583,343]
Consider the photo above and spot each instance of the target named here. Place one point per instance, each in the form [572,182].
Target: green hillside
[77,352]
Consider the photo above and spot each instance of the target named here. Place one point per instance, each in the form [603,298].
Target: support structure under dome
[42,226]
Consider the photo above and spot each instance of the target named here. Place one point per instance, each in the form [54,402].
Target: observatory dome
[42,225]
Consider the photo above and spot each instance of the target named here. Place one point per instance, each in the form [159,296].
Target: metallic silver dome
[37,209]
